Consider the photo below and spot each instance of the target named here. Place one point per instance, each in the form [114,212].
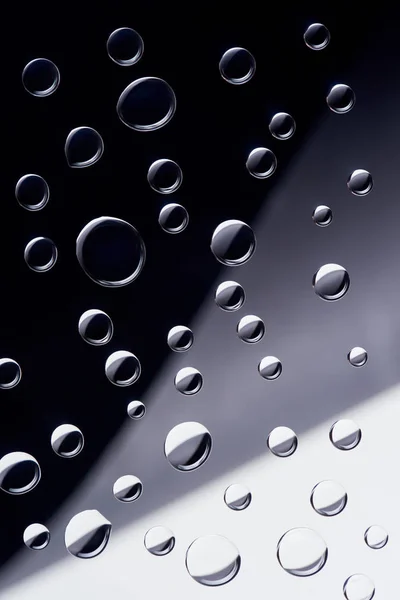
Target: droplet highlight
[32,192]
[341,99]
[95,327]
[317,36]
[270,367]
[282,126]
[237,497]
[302,552]
[188,381]
[10,373]
[188,446]
[233,243]
[136,410]
[357,356]
[19,473]
[322,216]
[376,537]
[331,282]
[237,66]
[282,441]
[229,296]
[36,536]
[359,587]
[165,176]
[41,77]
[173,218]
[250,329]
[360,182]
[180,338]
[127,488]
[122,368]
[345,434]
[146,104]
[41,254]
[328,498]
[212,560]
[84,147]
[125,46]
[87,534]
[261,163]
[67,441]
[159,541]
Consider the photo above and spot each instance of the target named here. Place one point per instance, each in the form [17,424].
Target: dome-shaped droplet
[122,368]
[261,163]
[188,381]
[237,66]
[84,147]
[36,536]
[237,497]
[159,541]
[67,441]
[212,560]
[345,434]
[95,327]
[32,192]
[357,357]
[376,537]
[360,182]
[19,473]
[165,176]
[270,367]
[282,441]
[317,36]
[41,254]
[87,534]
[359,587]
[230,296]
[187,446]
[302,552]
[341,99]
[125,46]
[10,373]
[282,126]
[233,243]
[40,77]
[250,329]
[180,338]
[136,410]
[110,251]
[322,216]
[127,488]
[328,498]
[173,218]
[146,104]
[331,282]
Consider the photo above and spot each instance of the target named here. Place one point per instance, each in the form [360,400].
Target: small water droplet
[32,192]
[359,587]
[67,441]
[188,381]
[331,282]
[180,338]
[360,182]
[302,552]
[322,216]
[136,410]
[36,536]
[84,146]
[341,99]
[40,77]
[317,36]
[261,163]
[282,441]
[122,368]
[328,498]
[250,329]
[173,218]
[345,434]
[95,327]
[376,537]
[270,367]
[19,473]
[125,46]
[41,254]
[10,373]
[159,541]
[87,534]
[357,357]
[233,243]
[212,560]
[146,104]
[282,126]
[237,66]
[188,446]
[237,497]
[127,488]
[230,296]
[165,176]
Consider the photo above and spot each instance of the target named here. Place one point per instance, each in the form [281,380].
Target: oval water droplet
[125,46]
[237,497]
[159,541]
[10,373]
[19,473]
[173,218]
[36,536]
[41,77]
[233,243]
[360,182]
[32,192]
[270,367]
[317,36]
[322,216]
[136,410]
[67,441]
[84,147]
[282,441]
[127,488]
[95,327]
[188,381]
[230,296]
[282,126]
[250,329]
[328,498]
[341,99]
[212,560]
[188,446]
[122,368]
[87,534]
[165,176]
[41,254]
[376,537]
[345,434]
[331,282]
[359,587]
[357,356]
[302,552]
[180,338]
[237,66]
[146,104]
[261,163]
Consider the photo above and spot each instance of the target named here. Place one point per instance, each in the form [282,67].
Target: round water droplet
[328,498]
[10,373]
[322,216]
[233,243]
[212,560]
[32,192]
[159,541]
[87,534]
[250,329]
[359,587]
[261,163]
[19,473]
[36,536]
[357,357]
[165,176]
[180,338]
[173,218]
[237,66]
[331,282]
[67,441]
[125,46]
[230,296]
[376,537]
[95,327]
[302,552]
[237,497]
[341,99]
[282,126]
[83,148]
[122,368]
[282,441]
[345,434]
[270,367]
[360,182]
[110,251]
[187,446]
[41,254]
[317,36]
[146,104]
[127,488]
[136,410]
[40,77]
[188,381]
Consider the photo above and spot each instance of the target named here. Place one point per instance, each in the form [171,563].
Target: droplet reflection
[188,446]
[212,560]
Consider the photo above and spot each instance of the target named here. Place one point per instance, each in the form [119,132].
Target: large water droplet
[173,218]
[41,254]
[187,446]
[95,327]
[146,104]
[122,368]
[282,126]
[188,381]
[10,373]
[376,537]
[317,36]
[32,192]
[127,488]
[87,534]
[67,441]
[212,560]
[270,367]
[136,410]
[237,497]
[261,163]
[125,46]
[230,296]
[237,66]
[282,441]
[250,329]
[40,77]
[322,216]
[19,473]
[159,541]
[357,357]
[165,176]
[302,552]
[345,434]
[341,98]
[84,146]
[180,338]
[328,498]
[233,243]
[331,282]
[36,536]
[360,182]
[359,587]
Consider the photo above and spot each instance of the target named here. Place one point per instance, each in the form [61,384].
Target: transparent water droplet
[322,216]
[237,497]
[345,434]
[233,243]
[41,77]
[212,560]
[250,329]
[32,192]
[165,176]
[188,381]
[159,541]
[282,126]
[317,36]
[41,254]
[180,338]
[125,46]
[357,357]
[122,368]
[110,251]
[95,327]
[146,104]
[270,367]
[230,296]
[360,182]
[376,537]
[173,218]
[87,534]
[136,410]
[359,587]
[331,282]
[127,488]
[67,441]
[84,147]
[10,373]
[328,498]
[341,98]
[19,473]
[261,163]
[282,441]
[188,446]
[302,552]
[237,66]
[36,536]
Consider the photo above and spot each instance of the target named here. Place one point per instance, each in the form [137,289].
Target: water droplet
[127,488]
[32,192]
[250,329]
[10,373]
[331,282]
[67,441]
[159,541]
[19,473]
[360,182]
[328,498]
[261,163]
[180,338]
[110,251]
[188,381]
[122,368]
[237,66]
[165,176]
[87,534]
[357,357]
[376,537]
[341,98]
[41,254]
[125,46]
[302,552]
[83,148]
[230,296]
[173,218]
[345,434]
[95,327]
[187,446]
[36,536]
[270,367]
[233,243]
[317,36]
[237,497]
[282,126]
[40,77]
[322,216]
[146,104]
[282,441]
[359,587]
[136,409]
[212,560]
